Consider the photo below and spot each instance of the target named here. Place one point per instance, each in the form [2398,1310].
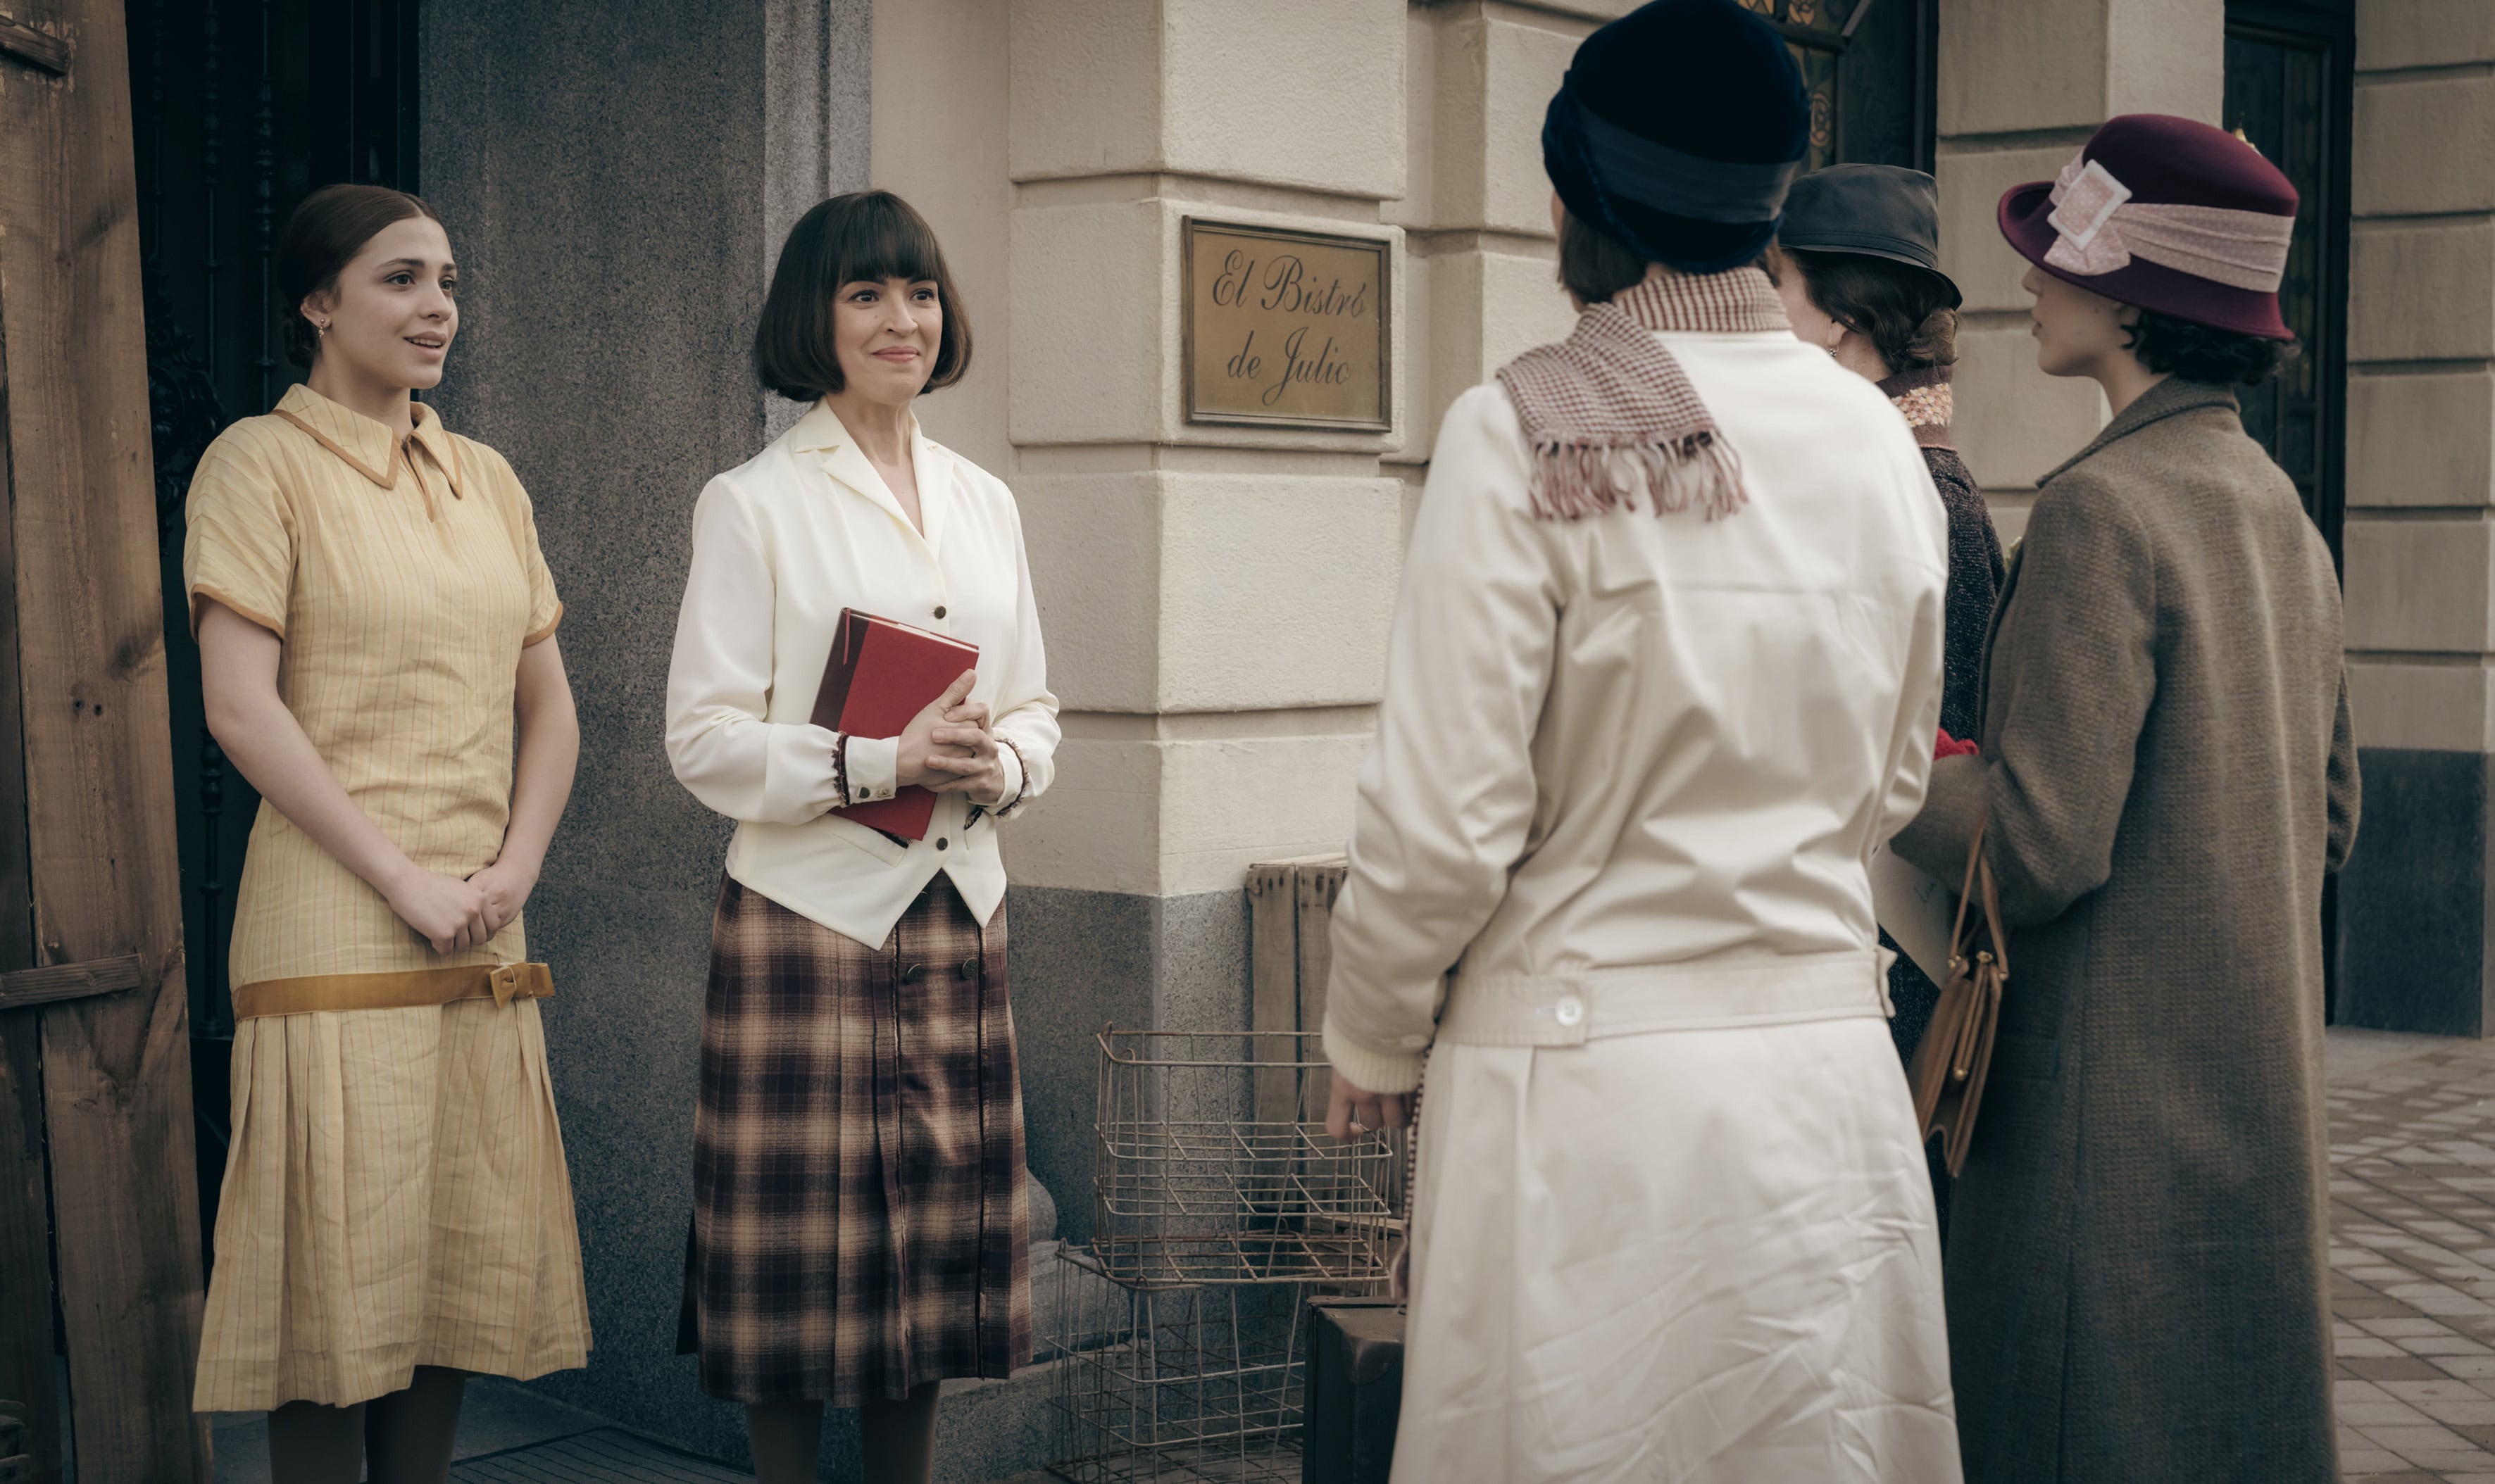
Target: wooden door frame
[2331,23]
[95,1123]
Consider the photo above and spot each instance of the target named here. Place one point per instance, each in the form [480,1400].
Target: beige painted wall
[2421,528]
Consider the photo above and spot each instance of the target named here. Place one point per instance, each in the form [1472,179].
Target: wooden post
[27,1254]
[98,788]
[25,1182]
[1320,881]
[1274,973]
[1290,907]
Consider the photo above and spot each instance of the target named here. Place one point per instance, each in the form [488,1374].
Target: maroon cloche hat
[2169,214]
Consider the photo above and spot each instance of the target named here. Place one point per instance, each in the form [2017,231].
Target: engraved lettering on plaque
[1286,328]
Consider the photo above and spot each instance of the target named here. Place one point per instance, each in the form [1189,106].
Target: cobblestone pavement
[2413,1256]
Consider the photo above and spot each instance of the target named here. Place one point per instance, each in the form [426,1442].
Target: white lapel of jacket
[934,473]
[820,438]
[848,468]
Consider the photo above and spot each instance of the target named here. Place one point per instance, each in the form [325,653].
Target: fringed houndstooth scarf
[1609,414]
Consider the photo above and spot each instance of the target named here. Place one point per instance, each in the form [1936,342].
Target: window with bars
[1870,68]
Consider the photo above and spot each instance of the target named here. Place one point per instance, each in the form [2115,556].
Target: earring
[324,328]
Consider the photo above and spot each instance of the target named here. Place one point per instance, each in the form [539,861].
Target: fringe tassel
[1571,481]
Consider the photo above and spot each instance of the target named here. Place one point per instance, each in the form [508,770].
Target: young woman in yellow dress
[375,624]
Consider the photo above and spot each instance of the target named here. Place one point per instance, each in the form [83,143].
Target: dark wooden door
[2290,66]
[238,112]
[2289,70]
[98,1247]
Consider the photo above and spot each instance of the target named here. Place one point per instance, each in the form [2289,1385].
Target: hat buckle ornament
[2086,199]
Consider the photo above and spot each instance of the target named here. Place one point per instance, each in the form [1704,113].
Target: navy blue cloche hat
[1677,129]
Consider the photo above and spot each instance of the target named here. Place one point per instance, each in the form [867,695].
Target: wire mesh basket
[1176,1384]
[1215,1166]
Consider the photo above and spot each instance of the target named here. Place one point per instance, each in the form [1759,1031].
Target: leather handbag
[1948,1075]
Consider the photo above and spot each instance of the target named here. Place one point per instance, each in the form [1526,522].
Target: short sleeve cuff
[1370,1070]
[872,767]
[544,630]
[207,593]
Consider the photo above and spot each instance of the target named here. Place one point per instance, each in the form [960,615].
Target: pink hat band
[2099,229]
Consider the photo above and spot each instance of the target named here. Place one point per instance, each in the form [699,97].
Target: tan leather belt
[401,990]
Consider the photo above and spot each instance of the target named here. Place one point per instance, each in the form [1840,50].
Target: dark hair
[321,239]
[864,236]
[2198,353]
[1595,264]
[1902,310]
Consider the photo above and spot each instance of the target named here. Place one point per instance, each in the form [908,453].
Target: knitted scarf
[1609,414]
[1925,398]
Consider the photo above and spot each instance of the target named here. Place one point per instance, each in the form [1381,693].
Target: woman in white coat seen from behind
[860,1228]
[1666,667]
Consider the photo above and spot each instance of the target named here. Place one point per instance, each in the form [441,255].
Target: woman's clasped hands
[950,747]
[454,915]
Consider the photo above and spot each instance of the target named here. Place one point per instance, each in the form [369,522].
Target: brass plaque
[1286,327]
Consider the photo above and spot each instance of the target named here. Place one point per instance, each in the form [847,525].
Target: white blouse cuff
[873,765]
[1010,758]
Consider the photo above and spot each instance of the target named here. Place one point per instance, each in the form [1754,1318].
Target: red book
[880,674]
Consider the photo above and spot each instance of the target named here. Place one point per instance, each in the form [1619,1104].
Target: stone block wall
[1482,281]
[2421,521]
[2021,87]
[1215,599]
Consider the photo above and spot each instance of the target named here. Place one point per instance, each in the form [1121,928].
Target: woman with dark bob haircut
[860,1228]
[2138,1276]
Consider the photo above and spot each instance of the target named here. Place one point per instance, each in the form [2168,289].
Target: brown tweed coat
[2136,1273]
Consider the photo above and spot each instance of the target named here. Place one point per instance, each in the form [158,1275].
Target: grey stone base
[2412,902]
[1081,960]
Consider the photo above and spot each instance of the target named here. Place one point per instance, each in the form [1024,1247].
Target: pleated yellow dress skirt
[395,1196]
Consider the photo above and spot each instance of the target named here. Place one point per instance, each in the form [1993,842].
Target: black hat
[1873,210]
[1677,129]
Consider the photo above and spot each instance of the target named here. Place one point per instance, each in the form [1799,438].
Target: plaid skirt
[859,1220]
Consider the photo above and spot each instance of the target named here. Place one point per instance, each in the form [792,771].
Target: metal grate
[1173,1384]
[1215,1166]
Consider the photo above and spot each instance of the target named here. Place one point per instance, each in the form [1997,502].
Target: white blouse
[780,545]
